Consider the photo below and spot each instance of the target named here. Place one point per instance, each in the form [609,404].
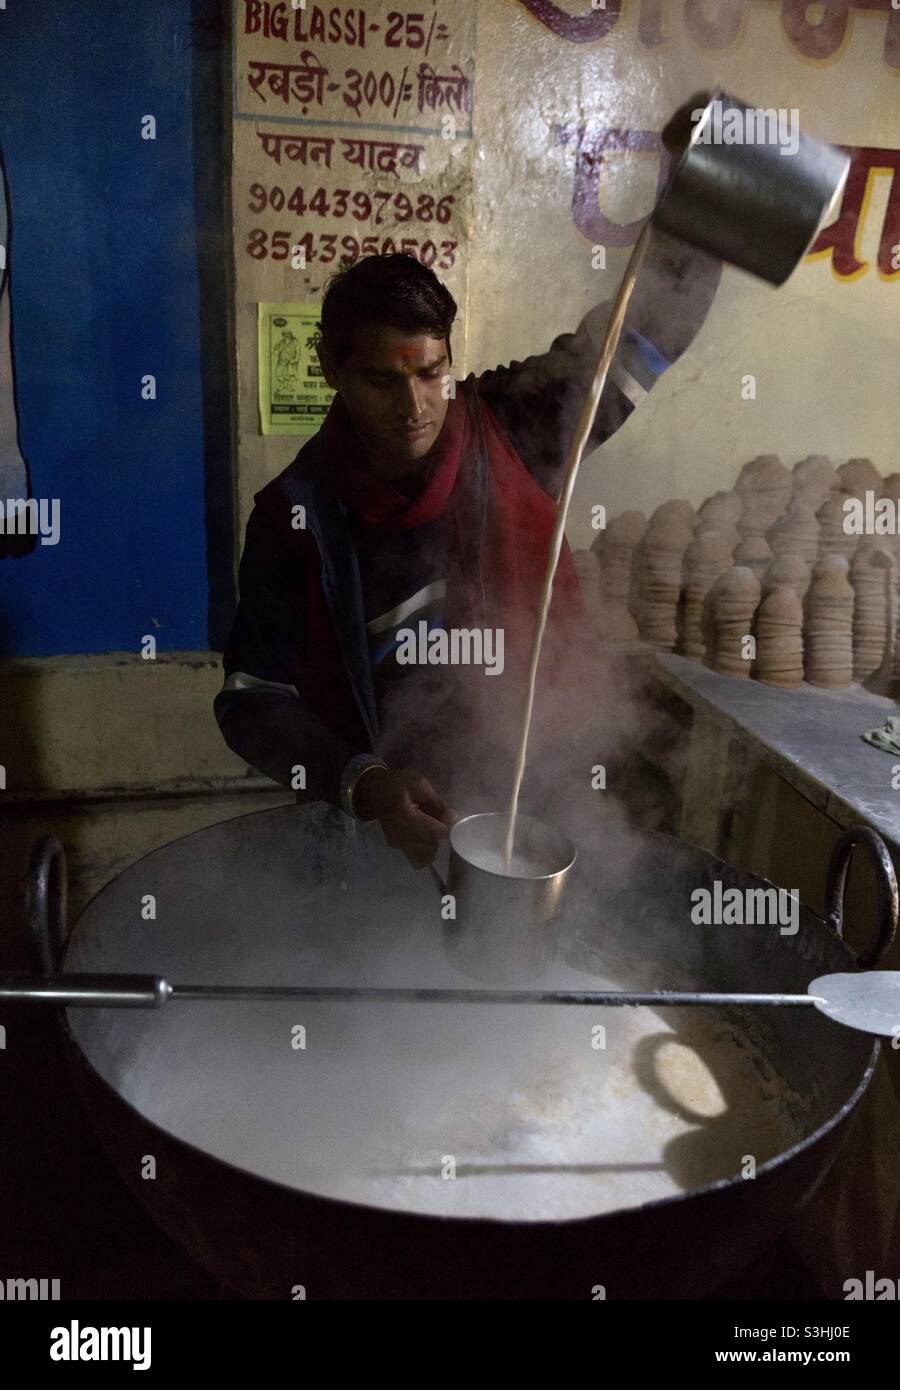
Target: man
[391,574]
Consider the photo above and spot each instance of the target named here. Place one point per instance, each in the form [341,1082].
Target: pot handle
[886,880]
[47,901]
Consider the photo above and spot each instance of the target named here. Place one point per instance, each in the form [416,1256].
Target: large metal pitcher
[748,187]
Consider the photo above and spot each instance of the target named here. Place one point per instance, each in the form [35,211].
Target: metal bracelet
[351,790]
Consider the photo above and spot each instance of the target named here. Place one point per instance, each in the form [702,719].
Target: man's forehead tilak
[411,359]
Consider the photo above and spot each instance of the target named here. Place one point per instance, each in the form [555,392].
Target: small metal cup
[504,930]
[746,203]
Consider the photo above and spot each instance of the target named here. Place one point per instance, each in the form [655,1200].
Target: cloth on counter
[886,736]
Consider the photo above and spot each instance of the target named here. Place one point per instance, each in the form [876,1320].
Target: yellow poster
[293,396]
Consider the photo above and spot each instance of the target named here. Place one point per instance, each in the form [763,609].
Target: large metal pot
[231,1100]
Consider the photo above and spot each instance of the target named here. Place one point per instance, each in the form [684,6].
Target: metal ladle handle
[86,991]
[152,991]
[868,1001]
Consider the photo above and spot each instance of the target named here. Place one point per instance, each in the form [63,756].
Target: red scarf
[497,544]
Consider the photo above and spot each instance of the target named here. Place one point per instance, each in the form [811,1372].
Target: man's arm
[265,719]
[538,401]
[261,709]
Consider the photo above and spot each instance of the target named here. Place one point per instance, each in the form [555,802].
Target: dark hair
[396,290]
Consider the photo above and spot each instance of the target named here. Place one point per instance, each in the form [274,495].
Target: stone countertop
[810,737]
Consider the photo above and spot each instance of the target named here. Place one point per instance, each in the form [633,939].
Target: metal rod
[604,998]
[151,991]
[89,991]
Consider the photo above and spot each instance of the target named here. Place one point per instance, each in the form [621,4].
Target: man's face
[392,385]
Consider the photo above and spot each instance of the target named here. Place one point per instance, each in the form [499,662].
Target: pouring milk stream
[583,429]
[742,203]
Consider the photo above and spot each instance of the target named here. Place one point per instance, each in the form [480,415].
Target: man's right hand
[412,816]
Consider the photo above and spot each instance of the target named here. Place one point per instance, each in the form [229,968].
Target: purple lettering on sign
[576,28]
[816,40]
[592,147]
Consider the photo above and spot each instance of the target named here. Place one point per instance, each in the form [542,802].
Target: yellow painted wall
[823,350]
[113,721]
[115,755]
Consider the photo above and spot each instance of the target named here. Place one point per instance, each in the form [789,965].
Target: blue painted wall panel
[104,290]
